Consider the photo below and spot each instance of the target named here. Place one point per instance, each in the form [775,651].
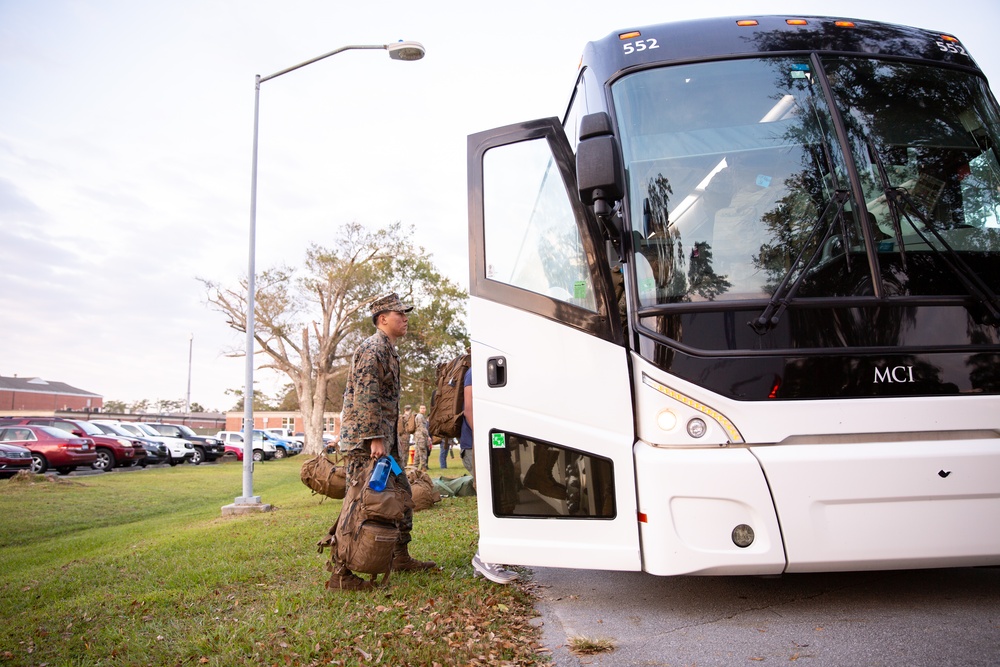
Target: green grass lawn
[141,568]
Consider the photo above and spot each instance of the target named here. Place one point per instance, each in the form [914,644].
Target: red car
[51,447]
[112,451]
[233,451]
[13,459]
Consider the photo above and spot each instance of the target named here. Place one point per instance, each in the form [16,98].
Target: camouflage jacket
[371,399]
[421,435]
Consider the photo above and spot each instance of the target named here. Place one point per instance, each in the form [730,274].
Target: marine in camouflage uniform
[421,440]
[370,417]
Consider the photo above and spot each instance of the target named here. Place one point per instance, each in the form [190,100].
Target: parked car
[331,443]
[233,453]
[14,459]
[263,450]
[112,451]
[286,435]
[156,452]
[206,448]
[282,447]
[178,450]
[51,447]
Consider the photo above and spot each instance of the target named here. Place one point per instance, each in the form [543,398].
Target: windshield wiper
[787,289]
[899,200]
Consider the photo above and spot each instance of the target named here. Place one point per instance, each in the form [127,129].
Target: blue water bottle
[380,474]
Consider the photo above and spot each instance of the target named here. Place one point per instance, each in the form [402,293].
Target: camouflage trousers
[420,454]
[357,459]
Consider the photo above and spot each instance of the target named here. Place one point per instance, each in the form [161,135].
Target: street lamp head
[406,50]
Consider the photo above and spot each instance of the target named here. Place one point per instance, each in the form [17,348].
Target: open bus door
[553,420]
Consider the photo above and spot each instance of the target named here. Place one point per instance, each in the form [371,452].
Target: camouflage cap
[388,302]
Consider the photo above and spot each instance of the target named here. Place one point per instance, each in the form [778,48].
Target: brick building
[38,394]
[290,421]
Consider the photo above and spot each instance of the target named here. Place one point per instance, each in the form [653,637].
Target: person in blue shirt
[481,568]
[466,451]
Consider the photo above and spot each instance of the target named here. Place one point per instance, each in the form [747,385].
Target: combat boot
[403,561]
[343,579]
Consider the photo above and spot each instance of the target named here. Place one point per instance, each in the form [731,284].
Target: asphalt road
[928,618]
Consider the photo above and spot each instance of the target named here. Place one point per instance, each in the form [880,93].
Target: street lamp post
[187,400]
[249,502]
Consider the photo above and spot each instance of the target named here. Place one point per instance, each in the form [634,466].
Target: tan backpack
[364,536]
[424,493]
[448,399]
[325,477]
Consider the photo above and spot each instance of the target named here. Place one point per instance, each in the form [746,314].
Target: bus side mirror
[599,172]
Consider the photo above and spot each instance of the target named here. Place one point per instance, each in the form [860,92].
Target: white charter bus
[735,313]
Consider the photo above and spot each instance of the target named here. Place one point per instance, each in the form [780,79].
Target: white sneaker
[494,573]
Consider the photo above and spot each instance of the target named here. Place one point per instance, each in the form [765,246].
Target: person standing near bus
[421,440]
[371,411]
[466,451]
[404,432]
[446,444]
[481,568]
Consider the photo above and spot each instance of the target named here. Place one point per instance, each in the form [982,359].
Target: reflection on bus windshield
[732,164]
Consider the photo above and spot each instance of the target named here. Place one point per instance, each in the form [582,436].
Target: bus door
[552,397]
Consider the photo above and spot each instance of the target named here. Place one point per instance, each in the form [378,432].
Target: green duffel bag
[450,487]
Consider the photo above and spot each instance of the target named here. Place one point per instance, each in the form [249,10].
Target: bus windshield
[734,171]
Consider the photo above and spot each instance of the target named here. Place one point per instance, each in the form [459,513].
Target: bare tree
[308,326]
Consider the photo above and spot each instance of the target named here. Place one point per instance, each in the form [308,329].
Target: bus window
[530,232]
[539,479]
[938,154]
[729,169]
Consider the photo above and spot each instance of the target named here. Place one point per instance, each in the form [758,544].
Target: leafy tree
[260,400]
[289,399]
[165,405]
[309,322]
[118,407]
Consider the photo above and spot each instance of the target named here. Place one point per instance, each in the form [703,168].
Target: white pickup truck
[263,449]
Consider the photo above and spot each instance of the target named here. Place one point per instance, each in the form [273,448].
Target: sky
[126,132]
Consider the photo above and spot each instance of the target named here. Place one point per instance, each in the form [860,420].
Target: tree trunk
[314,419]
[311,383]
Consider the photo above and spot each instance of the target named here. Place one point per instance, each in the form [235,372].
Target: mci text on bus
[736,311]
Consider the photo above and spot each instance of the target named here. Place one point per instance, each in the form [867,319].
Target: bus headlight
[666,420]
[732,433]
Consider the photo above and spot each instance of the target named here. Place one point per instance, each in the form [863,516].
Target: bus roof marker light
[948,38]
[844,24]
[796,22]
[746,23]
[629,35]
